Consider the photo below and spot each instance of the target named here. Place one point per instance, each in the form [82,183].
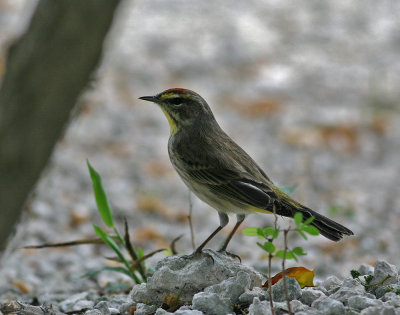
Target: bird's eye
[176,101]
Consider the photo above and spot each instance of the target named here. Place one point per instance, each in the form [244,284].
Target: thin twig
[190,220]
[132,251]
[271,302]
[285,233]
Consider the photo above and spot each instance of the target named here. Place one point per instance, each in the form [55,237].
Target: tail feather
[327,227]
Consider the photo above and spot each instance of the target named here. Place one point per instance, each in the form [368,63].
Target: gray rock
[309,295]
[113,311]
[194,274]
[365,270]
[211,303]
[125,308]
[102,306]
[384,270]
[328,306]
[259,307]
[144,309]
[350,287]
[161,311]
[77,302]
[380,291]
[188,312]
[360,302]
[297,306]
[332,284]
[82,305]
[379,310]
[394,301]
[351,311]
[231,288]
[278,291]
[388,296]
[93,312]
[248,296]
[353,284]
[310,312]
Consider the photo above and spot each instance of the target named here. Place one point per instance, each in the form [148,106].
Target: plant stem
[285,233]
[271,303]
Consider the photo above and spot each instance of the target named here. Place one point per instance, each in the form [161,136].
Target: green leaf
[270,231]
[298,251]
[355,274]
[308,221]
[267,246]
[289,254]
[110,242]
[250,231]
[302,234]
[101,198]
[298,218]
[312,230]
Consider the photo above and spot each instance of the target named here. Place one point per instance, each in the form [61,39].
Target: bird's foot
[198,252]
[234,256]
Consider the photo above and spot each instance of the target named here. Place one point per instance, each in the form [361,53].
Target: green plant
[271,234]
[134,267]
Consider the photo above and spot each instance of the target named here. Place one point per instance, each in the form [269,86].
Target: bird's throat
[172,123]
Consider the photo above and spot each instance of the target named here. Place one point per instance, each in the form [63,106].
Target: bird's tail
[327,227]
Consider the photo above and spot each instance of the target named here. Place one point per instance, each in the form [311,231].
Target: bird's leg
[240,219]
[223,221]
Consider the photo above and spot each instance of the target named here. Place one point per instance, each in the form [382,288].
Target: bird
[220,173]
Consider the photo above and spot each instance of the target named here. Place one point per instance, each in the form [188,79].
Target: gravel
[310,91]
[223,285]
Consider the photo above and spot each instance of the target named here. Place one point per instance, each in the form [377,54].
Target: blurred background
[309,90]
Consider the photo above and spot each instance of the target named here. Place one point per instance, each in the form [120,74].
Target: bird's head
[182,107]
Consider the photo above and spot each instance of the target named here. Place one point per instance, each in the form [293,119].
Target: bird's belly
[215,201]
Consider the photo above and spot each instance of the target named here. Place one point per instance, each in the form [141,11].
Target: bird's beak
[149,98]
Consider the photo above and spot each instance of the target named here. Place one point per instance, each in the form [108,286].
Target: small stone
[161,311]
[379,310]
[82,305]
[310,295]
[93,312]
[384,270]
[259,307]
[353,284]
[350,287]
[102,306]
[145,309]
[350,311]
[332,284]
[388,296]
[328,306]
[310,312]
[382,290]
[297,306]
[278,290]
[365,270]
[248,296]
[359,302]
[125,308]
[188,312]
[211,303]
[394,301]
[113,311]
[231,288]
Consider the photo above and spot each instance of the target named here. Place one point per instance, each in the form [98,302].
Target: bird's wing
[237,186]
